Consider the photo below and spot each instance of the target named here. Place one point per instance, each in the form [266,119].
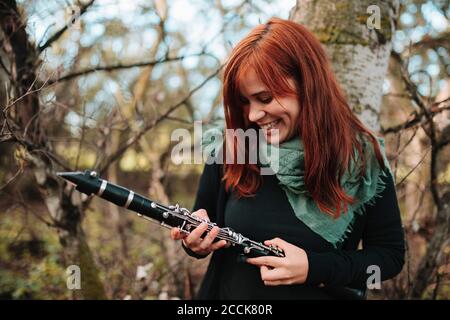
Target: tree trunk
[358,47]
[24,109]
[359,55]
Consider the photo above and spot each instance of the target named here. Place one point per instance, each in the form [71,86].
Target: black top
[269,215]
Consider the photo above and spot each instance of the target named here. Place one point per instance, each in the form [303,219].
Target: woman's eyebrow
[259,92]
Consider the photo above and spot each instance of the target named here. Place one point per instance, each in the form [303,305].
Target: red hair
[276,51]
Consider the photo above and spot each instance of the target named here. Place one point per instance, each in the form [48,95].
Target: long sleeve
[208,190]
[383,247]
[207,197]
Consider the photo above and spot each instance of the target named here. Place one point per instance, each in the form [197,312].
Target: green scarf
[290,173]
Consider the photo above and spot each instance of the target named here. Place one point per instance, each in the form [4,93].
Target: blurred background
[102,84]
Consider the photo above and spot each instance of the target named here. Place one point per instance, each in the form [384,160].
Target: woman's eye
[243,100]
[267,100]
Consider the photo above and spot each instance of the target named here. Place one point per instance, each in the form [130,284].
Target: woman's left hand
[291,269]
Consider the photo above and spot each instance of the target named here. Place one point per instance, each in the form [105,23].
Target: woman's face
[277,119]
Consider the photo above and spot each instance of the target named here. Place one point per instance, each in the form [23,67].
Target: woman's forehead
[250,83]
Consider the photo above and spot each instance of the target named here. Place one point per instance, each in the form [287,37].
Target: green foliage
[31,265]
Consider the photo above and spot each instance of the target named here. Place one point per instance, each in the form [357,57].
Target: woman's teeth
[270,125]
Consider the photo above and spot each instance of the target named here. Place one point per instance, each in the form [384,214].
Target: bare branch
[412,170]
[429,127]
[179,120]
[11,179]
[416,120]
[443,142]
[60,32]
[429,42]
[114,156]
[120,66]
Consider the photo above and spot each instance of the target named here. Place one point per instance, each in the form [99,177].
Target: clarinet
[88,182]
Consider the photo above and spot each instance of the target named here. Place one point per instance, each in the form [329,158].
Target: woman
[333,187]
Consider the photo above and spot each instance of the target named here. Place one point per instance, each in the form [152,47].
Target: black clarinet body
[89,183]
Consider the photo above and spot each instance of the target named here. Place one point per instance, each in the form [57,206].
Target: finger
[276,274]
[209,238]
[274,283]
[277,242]
[218,245]
[176,234]
[195,236]
[201,213]
[274,262]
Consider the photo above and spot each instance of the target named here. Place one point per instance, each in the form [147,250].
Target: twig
[113,157]
[408,142]
[411,171]
[11,179]
[418,118]
[60,32]
[431,131]
[28,92]
[120,66]
[179,120]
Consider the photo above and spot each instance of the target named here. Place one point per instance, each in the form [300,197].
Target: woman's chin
[273,136]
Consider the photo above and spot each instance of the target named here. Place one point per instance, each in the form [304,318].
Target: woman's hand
[193,240]
[291,269]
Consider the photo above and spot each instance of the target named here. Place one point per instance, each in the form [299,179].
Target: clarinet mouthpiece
[86,182]
[70,176]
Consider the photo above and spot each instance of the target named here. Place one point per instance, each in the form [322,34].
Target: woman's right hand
[193,240]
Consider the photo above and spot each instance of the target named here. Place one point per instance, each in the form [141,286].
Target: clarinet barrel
[89,183]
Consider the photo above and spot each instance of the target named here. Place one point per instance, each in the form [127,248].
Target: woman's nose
[255,114]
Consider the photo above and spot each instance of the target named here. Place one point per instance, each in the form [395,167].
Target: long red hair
[276,51]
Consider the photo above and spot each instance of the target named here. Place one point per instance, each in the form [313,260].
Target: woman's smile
[277,117]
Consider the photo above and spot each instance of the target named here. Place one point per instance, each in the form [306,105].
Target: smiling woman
[267,112]
[333,188]
[285,61]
